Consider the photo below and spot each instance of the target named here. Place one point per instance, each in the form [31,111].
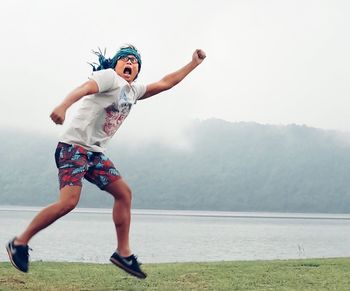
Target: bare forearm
[74,96]
[176,77]
[59,113]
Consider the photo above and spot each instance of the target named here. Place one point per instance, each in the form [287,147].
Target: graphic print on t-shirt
[116,113]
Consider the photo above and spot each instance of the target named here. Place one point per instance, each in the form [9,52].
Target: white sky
[272,61]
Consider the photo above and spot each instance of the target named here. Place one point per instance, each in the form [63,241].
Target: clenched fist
[58,115]
[198,56]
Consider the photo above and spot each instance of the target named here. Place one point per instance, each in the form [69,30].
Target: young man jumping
[107,98]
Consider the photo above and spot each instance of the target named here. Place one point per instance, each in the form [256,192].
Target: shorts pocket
[57,155]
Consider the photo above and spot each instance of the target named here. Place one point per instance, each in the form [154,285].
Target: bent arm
[174,78]
[59,113]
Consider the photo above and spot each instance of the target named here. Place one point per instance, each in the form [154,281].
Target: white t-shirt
[101,114]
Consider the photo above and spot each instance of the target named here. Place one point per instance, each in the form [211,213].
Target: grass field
[311,274]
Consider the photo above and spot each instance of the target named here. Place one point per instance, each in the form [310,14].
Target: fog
[271,62]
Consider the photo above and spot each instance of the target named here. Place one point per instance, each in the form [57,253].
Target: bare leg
[69,198]
[121,214]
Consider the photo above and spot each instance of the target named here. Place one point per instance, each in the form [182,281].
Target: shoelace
[136,259]
[29,249]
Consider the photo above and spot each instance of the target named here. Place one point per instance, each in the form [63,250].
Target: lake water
[87,235]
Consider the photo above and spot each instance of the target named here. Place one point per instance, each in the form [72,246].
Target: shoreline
[194,213]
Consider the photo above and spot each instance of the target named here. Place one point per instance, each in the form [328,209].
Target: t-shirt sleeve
[140,91]
[104,79]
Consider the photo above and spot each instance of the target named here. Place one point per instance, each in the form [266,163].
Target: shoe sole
[11,259]
[128,270]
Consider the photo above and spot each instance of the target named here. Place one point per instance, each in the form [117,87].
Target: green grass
[311,274]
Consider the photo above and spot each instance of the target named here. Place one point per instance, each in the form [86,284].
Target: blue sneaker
[128,264]
[18,255]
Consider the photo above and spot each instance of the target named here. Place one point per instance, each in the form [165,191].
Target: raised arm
[59,113]
[176,77]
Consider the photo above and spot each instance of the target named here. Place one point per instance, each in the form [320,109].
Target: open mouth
[127,71]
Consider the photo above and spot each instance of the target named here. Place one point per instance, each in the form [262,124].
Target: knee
[120,191]
[125,196]
[67,206]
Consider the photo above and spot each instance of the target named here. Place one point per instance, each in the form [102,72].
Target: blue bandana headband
[107,63]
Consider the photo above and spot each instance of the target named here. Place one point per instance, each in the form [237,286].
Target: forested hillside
[226,166]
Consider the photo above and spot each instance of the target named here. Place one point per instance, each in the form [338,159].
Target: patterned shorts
[75,163]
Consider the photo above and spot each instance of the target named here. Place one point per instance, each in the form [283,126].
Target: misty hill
[226,166]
